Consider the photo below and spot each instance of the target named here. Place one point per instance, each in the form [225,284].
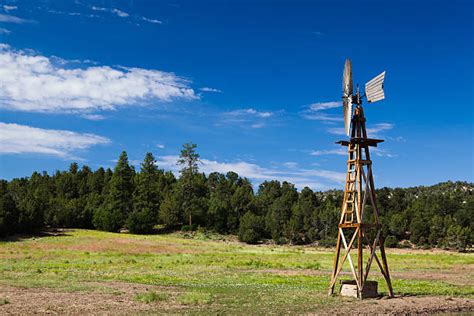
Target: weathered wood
[363,142]
[359,188]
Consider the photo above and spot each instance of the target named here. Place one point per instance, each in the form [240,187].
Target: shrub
[141,222]
[457,237]
[251,228]
[327,242]
[391,242]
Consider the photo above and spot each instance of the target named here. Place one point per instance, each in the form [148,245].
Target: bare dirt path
[428,305]
[121,301]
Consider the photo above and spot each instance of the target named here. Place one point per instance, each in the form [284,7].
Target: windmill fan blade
[347,108]
[347,79]
[374,88]
[347,90]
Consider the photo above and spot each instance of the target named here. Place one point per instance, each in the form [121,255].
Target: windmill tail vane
[359,226]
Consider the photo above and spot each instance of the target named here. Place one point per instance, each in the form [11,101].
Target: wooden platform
[363,142]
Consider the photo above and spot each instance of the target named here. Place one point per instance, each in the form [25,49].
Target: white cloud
[249,112]
[154,21]
[290,164]
[73,14]
[338,151]
[12,19]
[122,14]
[93,117]
[315,179]
[22,139]
[35,83]
[336,131]
[323,117]
[257,125]
[161,146]
[382,152]
[372,131]
[207,89]
[9,7]
[4,31]
[117,12]
[319,106]
[377,128]
[246,118]
[313,112]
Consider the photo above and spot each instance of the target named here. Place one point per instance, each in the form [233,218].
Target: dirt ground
[406,306]
[121,301]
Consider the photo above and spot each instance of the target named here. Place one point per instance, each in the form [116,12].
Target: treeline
[436,216]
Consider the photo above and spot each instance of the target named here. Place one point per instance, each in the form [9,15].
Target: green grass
[195,298]
[3,301]
[201,271]
[150,297]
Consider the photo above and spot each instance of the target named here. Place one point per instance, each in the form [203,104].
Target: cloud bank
[313,112]
[5,18]
[22,139]
[35,83]
[315,179]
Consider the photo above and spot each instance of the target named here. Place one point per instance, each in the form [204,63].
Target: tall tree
[8,211]
[191,188]
[118,204]
[147,197]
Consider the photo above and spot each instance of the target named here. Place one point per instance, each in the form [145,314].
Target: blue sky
[255,84]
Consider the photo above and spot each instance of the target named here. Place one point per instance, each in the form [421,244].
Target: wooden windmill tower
[359,225]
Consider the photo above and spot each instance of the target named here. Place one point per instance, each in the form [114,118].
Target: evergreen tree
[251,228]
[147,197]
[219,201]
[8,211]
[241,202]
[170,211]
[111,216]
[191,189]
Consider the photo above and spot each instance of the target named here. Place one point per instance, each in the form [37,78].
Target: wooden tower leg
[360,262]
[336,263]
[385,266]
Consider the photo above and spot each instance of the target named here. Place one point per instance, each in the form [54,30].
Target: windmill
[359,225]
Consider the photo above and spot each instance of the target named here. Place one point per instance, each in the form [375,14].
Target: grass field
[90,271]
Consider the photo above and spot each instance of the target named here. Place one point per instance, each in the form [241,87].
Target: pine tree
[191,189]
[118,204]
[8,211]
[147,197]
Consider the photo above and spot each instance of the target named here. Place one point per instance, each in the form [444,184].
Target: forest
[152,200]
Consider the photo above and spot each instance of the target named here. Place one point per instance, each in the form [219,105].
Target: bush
[141,222]
[391,242]
[457,237]
[187,228]
[251,228]
[327,242]
[108,220]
